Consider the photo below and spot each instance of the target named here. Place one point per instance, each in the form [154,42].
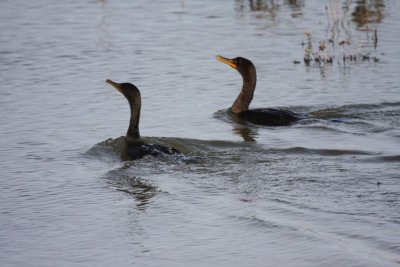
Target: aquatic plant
[366,16]
[321,56]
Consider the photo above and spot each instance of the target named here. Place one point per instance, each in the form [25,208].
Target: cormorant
[240,108]
[137,148]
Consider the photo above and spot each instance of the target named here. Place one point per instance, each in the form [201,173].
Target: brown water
[324,192]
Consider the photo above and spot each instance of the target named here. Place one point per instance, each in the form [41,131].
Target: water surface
[323,192]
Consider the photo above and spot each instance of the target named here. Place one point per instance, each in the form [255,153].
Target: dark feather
[138,151]
[269,117]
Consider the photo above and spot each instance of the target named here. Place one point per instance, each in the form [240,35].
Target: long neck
[133,130]
[243,101]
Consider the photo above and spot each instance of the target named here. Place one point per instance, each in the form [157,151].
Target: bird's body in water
[136,147]
[240,108]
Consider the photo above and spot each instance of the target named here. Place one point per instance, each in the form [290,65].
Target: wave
[198,151]
[356,119]
[367,113]
[324,152]
[386,158]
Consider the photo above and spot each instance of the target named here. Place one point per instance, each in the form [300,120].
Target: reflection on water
[269,9]
[139,188]
[248,134]
[296,7]
[239,126]
[271,6]
[259,5]
[368,12]
[264,11]
[295,3]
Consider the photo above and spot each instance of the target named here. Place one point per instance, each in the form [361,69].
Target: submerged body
[268,116]
[136,147]
[240,108]
[136,151]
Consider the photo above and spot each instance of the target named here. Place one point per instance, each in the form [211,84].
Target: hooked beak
[227,61]
[115,85]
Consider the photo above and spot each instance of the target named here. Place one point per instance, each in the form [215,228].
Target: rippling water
[324,192]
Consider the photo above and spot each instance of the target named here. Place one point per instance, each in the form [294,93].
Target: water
[324,192]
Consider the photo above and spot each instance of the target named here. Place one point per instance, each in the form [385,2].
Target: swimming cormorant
[240,108]
[137,148]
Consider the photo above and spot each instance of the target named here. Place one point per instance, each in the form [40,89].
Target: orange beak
[227,61]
